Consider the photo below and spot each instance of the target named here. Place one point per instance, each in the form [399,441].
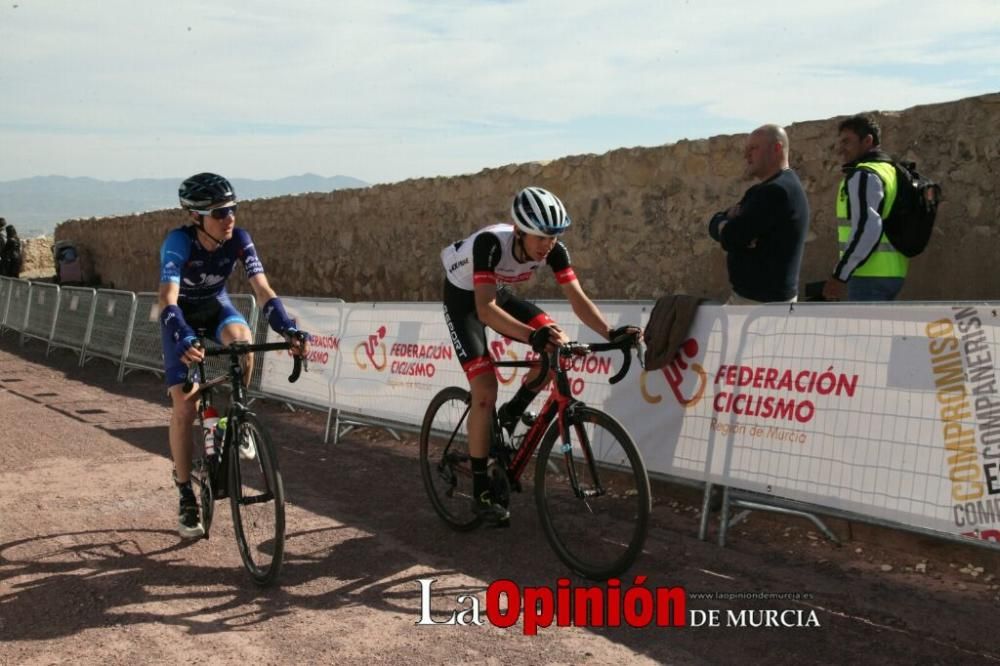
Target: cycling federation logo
[373,349]
[405,359]
[688,387]
[759,391]
[501,350]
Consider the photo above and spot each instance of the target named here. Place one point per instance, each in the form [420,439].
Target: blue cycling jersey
[202,274]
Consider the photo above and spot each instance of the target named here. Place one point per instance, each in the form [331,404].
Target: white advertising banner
[396,357]
[892,412]
[323,320]
[889,411]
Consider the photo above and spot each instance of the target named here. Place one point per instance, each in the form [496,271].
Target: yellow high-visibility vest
[885,261]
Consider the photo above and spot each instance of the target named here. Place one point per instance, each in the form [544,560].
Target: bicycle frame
[594,505]
[237,407]
[555,407]
[558,405]
[234,414]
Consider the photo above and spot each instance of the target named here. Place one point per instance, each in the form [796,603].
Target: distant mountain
[36,205]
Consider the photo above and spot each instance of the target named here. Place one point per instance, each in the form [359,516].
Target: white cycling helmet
[539,212]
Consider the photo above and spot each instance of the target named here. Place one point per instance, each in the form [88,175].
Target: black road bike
[243,465]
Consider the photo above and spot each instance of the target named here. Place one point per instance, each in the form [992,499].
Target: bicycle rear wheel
[444,458]
[257,497]
[598,529]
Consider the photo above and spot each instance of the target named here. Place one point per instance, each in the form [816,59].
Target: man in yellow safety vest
[870,268]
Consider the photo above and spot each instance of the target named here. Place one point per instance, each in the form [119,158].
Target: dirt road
[92,571]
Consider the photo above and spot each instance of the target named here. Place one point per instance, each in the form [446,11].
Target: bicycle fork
[568,422]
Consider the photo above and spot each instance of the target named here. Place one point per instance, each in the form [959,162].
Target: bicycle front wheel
[444,458]
[257,497]
[594,500]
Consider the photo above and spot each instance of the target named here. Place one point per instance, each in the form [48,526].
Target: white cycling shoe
[248,449]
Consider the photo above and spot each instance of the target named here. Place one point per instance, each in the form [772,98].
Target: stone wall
[640,218]
[38,261]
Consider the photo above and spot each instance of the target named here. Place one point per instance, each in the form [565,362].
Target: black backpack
[911,220]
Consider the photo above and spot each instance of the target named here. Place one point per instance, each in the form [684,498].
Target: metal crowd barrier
[111,326]
[17,307]
[255,391]
[124,328]
[5,287]
[74,319]
[260,328]
[143,348]
[259,325]
[40,319]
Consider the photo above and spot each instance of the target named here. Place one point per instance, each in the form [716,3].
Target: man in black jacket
[765,233]
[11,260]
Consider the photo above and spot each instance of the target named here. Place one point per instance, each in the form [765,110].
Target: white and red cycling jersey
[487,256]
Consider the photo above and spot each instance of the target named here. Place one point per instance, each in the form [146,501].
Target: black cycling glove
[621,330]
[539,338]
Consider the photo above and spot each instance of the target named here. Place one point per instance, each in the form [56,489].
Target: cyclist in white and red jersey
[476,295]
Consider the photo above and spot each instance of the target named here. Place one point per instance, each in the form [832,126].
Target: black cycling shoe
[509,421]
[490,511]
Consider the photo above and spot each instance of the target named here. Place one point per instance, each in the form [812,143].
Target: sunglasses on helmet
[219,213]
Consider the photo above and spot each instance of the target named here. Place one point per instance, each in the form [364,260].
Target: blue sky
[391,89]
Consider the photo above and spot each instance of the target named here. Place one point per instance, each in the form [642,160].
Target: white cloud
[394,89]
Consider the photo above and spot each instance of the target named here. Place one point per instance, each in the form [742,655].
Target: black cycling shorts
[468,334]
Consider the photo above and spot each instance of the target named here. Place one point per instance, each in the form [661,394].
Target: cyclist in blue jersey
[195,262]
[478,271]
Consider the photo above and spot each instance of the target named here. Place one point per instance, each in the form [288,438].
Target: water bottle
[220,432]
[209,419]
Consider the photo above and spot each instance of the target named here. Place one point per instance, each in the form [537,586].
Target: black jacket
[765,241]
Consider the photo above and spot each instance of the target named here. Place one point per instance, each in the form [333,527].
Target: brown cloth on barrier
[668,326]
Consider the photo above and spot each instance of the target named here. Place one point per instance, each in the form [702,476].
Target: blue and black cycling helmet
[539,212]
[205,191]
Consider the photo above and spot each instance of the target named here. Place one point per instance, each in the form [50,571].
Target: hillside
[36,205]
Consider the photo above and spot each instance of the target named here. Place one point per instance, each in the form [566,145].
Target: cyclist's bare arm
[263,292]
[168,293]
[493,316]
[584,308]
[262,288]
